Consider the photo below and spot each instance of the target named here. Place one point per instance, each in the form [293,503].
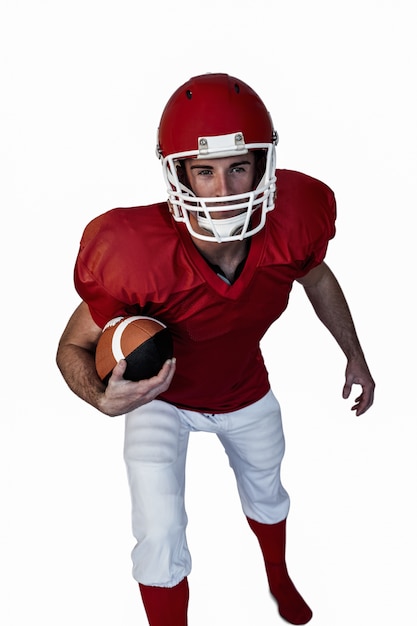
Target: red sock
[291,605]
[166,606]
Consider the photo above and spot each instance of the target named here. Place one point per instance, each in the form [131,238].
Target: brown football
[143,341]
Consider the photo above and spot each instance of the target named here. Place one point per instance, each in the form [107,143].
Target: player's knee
[158,535]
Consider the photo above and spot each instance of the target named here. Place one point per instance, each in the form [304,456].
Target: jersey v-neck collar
[238,270]
[206,272]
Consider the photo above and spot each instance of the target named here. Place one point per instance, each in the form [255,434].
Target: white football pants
[156,440]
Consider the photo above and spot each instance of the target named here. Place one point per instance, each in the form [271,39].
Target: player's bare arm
[75,359]
[327,298]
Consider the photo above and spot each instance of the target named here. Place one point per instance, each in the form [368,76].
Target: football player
[216,263]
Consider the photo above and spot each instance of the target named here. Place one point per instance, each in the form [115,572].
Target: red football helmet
[214,116]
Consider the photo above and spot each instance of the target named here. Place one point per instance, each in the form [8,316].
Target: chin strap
[223,228]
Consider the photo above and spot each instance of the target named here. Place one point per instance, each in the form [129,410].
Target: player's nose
[222,186]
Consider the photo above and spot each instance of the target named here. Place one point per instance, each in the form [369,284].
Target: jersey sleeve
[97,272]
[305,217]
[322,228]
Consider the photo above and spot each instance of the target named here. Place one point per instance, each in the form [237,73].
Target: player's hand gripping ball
[144,342]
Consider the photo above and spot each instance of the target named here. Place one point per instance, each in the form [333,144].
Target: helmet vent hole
[237,88]
[189,94]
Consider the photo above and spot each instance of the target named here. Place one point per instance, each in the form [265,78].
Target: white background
[83,85]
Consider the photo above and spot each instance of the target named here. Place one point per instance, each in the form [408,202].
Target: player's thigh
[255,439]
[154,434]
[155,451]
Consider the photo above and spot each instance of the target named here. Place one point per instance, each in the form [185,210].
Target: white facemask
[183,202]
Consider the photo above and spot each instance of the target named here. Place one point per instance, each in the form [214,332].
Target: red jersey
[139,261]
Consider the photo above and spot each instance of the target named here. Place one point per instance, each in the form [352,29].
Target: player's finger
[363,402]
[347,388]
[119,369]
[166,371]
[153,387]
[162,380]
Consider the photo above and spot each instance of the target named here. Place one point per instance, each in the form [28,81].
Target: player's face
[215,178]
